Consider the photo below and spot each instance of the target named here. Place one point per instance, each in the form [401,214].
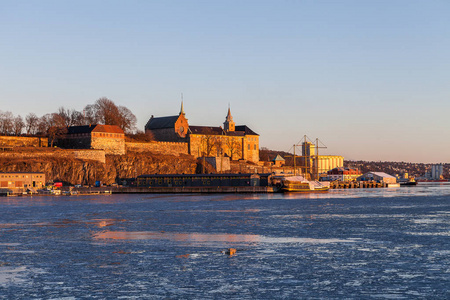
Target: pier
[361,185]
[192,189]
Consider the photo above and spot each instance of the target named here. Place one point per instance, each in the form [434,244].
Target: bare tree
[45,122]
[70,117]
[55,132]
[6,123]
[209,141]
[56,126]
[18,125]
[128,120]
[234,146]
[59,121]
[31,123]
[105,111]
[90,114]
[64,116]
[77,118]
[219,145]
[209,144]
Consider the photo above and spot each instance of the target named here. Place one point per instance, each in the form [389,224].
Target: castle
[235,142]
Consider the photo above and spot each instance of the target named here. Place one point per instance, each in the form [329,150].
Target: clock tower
[229,124]
[181,125]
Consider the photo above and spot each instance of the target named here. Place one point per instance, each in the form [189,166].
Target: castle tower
[229,124]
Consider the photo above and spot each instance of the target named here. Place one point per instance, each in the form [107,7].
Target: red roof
[95,128]
[108,128]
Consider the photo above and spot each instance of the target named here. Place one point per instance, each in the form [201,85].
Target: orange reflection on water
[208,237]
[221,210]
[179,237]
[66,223]
[236,210]
[104,222]
[7,225]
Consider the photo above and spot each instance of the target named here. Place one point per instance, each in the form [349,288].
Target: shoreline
[86,191]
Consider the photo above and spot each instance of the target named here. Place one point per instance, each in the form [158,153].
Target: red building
[343,174]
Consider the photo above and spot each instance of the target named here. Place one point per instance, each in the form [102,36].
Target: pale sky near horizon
[370,79]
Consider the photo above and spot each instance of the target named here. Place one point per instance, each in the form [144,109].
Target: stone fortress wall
[114,146]
[174,148]
[102,147]
[20,141]
[85,154]
[97,155]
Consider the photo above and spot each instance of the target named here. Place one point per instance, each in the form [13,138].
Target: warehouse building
[22,180]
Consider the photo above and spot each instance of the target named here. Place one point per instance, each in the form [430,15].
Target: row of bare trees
[10,124]
[103,111]
[220,145]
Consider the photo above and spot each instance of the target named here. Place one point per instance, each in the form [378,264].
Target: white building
[437,171]
[378,176]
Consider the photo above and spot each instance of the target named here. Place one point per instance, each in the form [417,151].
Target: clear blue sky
[371,79]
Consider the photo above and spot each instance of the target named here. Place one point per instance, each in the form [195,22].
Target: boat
[407,182]
[5,192]
[300,184]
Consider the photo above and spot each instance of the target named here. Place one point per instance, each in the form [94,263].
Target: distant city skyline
[368,78]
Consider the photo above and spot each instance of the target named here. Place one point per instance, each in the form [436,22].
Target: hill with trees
[104,111]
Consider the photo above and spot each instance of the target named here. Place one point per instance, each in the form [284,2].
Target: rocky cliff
[83,171]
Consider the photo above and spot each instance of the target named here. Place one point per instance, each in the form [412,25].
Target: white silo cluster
[436,172]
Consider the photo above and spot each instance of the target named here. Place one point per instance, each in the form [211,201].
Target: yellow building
[21,180]
[329,162]
[309,160]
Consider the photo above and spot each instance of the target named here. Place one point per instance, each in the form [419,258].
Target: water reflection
[208,237]
[247,210]
[17,274]
[66,223]
[366,247]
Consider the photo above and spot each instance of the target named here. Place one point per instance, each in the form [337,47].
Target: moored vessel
[408,182]
[300,184]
